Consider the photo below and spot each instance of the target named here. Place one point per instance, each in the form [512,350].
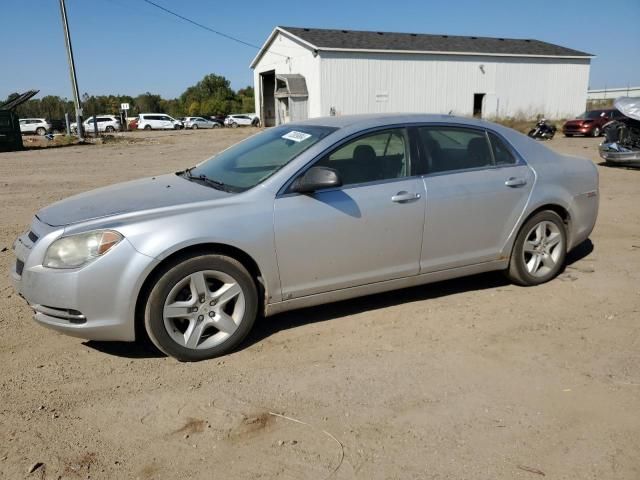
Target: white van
[158,121]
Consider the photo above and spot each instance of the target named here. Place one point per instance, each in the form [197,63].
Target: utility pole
[72,70]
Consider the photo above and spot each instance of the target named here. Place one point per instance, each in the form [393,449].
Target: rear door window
[449,149]
[501,153]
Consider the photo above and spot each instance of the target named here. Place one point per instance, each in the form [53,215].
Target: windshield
[248,163]
[592,115]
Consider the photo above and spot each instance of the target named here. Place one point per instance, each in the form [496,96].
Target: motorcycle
[543,130]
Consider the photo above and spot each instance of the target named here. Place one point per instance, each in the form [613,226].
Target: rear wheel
[539,251]
[147,127]
[201,308]
[194,126]
[110,129]
[41,131]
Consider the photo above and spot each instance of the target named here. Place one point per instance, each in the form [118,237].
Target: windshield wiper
[206,180]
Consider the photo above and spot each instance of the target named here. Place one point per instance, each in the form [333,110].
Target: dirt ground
[467,379]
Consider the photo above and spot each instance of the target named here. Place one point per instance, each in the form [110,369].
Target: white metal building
[306,72]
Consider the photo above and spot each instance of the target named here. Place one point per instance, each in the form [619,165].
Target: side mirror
[316,178]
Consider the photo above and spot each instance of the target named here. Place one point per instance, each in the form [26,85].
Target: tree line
[212,95]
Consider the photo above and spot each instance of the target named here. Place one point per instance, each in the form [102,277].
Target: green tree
[194,108]
[148,102]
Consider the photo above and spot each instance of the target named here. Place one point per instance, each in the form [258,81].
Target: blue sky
[129,47]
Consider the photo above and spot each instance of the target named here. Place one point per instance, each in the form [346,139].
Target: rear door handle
[515,182]
[404,197]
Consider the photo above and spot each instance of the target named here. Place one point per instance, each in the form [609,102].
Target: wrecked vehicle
[622,142]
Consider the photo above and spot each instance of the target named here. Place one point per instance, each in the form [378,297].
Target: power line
[209,29]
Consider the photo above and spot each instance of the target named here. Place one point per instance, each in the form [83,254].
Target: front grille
[19,267]
[32,236]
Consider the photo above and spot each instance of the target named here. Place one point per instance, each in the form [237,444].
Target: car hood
[137,195]
[628,106]
[578,121]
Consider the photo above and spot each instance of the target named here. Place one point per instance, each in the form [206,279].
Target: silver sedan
[198,122]
[300,215]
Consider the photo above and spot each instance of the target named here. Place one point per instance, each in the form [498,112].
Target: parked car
[244,119]
[58,126]
[106,123]
[158,121]
[622,143]
[39,126]
[590,123]
[300,215]
[199,122]
[219,121]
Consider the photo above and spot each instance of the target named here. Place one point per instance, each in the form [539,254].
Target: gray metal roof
[420,42]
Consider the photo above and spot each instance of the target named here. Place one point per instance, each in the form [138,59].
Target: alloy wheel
[204,309]
[542,248]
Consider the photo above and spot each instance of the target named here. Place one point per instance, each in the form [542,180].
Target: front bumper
[96,301]
[619,155]
[576,130]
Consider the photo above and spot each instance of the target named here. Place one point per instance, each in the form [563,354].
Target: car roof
[375,120]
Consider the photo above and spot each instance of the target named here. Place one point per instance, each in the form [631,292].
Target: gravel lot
[472,378]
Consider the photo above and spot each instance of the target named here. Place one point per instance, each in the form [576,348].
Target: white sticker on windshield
[296,136]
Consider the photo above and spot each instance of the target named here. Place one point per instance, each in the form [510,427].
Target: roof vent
[413,34]
[344,31]
[445,36]
[501,39]
[380,33]
[474,38]
[527,40]
[306,29]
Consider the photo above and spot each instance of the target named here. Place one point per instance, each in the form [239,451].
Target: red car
[590,123]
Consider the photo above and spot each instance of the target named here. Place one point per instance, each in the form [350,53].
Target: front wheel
[595,132]
[201,308]
[110,129]
[41,131]
[539,251]
[533,132]
[234,125]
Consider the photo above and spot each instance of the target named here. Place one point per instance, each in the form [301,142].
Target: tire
[523,269]
[596,132]
[194,127]
[532,132]
[110,129]
[147,127]
[233,125]
[568,134]
[216,125]
[41,131]
[235,310]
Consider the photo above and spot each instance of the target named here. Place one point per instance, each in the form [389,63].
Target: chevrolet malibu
[300,215]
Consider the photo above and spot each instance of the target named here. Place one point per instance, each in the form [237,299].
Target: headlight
[76,250]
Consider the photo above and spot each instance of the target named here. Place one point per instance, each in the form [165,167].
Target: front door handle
[515,182]
[404,197]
